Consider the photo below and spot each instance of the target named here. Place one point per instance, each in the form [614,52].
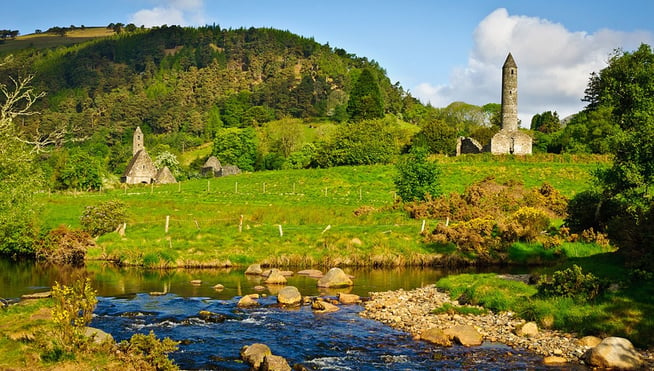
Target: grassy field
[290,217]
[48,40]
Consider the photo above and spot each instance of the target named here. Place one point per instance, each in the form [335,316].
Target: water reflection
[18,278]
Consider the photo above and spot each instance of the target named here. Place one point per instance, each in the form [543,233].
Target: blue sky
[441,51]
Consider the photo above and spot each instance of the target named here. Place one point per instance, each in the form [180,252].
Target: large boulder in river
[275,278]
[247,301]
[275,363]
[289,295]
[465,335]
[254,354]
[436,336]
[254,269]
[615,353]
[335,277]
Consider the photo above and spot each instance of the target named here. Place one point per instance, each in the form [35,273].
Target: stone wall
[511,142]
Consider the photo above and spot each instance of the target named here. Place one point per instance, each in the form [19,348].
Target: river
[333,341]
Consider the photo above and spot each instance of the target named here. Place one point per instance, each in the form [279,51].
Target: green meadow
[343,215]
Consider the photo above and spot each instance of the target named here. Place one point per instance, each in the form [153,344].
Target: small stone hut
[165,176]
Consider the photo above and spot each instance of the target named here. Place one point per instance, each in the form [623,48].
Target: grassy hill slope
[50,40]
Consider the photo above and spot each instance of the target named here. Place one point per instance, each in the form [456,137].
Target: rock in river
[275,278]
[289,295]
[254,354]
[335,277]
[615,353]
[254,269]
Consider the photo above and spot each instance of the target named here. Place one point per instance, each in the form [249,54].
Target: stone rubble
[411,311]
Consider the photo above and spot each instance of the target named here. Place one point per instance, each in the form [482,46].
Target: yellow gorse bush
[73,309]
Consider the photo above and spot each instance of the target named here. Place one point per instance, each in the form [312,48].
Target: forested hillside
[257,98]
[183,85]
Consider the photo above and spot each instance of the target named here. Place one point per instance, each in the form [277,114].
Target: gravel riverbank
[411,311]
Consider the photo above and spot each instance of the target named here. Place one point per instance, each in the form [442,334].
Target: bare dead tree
[18,101]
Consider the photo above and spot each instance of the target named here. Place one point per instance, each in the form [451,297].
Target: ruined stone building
[510,140]
[141,169]
[213,167]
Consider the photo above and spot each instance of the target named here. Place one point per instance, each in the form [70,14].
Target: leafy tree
[417,178]
[365,99]
[81,172]
[625,88]
[19,179]
[437,136]
[236,146]
[589,131]
[166,158]
[362,143]
[546,122]
[493,113]
[464,117]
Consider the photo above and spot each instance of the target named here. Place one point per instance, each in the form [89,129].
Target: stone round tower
[137,141]
[510,140]
[510,94]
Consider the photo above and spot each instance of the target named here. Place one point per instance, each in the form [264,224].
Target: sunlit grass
[294,213]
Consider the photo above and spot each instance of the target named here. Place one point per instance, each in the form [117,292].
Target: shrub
[476,235]
[146,352]
[417,178]
[73,311]
[64,246]
[571,282]
[527,223]
[552,199]
[103,218]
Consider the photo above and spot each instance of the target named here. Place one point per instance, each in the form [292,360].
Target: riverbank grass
[625,309]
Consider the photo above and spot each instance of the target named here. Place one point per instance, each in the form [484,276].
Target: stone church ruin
[509,140]
[141,169]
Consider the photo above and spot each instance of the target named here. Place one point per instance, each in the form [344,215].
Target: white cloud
[171,12]
[554,64]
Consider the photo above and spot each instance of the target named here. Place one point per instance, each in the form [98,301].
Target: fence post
[167,222]
[240,224]
[281,232]
[422,229]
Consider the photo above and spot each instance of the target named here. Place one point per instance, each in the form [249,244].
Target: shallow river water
[333,341]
